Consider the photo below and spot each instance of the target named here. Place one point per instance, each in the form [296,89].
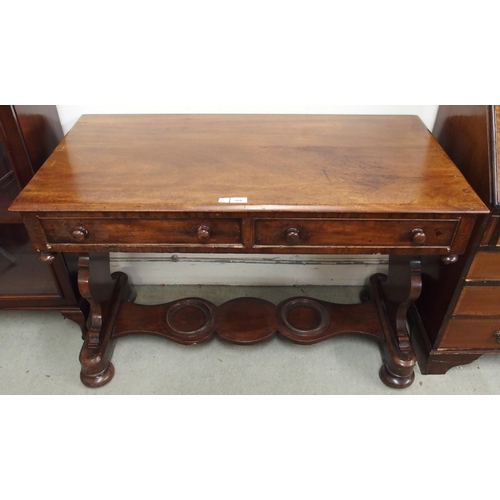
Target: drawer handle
[204,233]
[418,236]
[497,336]
[449,259]
[80,233]
[292,235]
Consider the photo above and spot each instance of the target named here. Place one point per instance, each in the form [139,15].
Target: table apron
[260,233]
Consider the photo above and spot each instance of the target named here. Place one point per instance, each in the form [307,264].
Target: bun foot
[395,381]
[100,379]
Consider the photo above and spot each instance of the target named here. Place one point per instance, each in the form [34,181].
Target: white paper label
[234,199]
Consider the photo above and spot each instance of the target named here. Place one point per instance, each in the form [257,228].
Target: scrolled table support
[248,320]
[96,286]
[396,293]
[104,293]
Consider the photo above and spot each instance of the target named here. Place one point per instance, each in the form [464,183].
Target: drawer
[177,231]
[472,334]
[485,266]
[355,232]
[479,301]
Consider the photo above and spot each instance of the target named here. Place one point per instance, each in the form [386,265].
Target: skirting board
[248,270]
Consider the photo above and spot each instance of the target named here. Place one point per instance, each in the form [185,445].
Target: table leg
[248,320]
[397,292]
[104,293]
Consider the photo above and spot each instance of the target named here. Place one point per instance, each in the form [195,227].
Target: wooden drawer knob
[417,236]
[80,233]
[292,235]
[449,259]
[204,233]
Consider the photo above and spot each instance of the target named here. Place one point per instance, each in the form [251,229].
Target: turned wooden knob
[80,233]
[417,236]
[449,259]
[204,233]
[47,257]
[292,235]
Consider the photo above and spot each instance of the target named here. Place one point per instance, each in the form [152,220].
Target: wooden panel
[41,131]
[147,231]
[354,232]
[290,162]
[489,231]
[462,131]
[479,300]
[471,334]
[485,266]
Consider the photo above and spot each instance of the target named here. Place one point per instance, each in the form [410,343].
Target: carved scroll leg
[104,294]
[400,289]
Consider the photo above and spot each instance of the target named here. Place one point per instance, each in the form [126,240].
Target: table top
[317,163]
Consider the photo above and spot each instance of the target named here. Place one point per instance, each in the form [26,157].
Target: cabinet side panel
[41,129]
[462,131]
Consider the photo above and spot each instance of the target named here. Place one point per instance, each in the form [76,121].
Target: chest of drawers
[464,321]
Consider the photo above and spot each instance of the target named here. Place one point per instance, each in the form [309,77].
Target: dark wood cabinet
[457,318]
[28,135]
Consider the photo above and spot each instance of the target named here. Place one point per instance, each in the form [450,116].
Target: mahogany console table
[275,184]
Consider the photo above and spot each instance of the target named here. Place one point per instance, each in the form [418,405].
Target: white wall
[247,270]
[69,114]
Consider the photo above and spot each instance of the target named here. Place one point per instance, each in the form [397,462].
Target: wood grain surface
[137,163]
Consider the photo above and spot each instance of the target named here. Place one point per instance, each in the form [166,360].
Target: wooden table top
[317,163]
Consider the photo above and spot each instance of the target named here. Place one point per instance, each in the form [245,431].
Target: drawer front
[485,266]
[182,231]
[355,232]
[479,301]
[472,334]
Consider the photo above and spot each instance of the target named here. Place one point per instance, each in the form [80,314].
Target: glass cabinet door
[21,272]
[28,134]
[9,187]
